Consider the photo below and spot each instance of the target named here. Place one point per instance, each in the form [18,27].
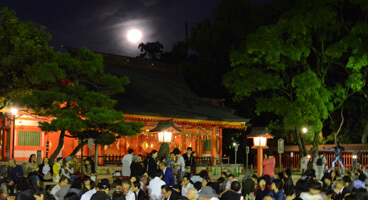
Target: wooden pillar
[220,145]
[259,161]
[213,144]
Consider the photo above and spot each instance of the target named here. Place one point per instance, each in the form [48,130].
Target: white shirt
[154,188]
[182,163]
[54,190]
[130,195]
[324,161]
[88,194]
[309,196]
[127,161]
[46,169]
[184,190]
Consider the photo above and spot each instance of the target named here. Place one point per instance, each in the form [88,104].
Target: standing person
[152,164]
[56,169]
[136,168]
[338,154]
[154,187]
[15,175]
[127,161]
[170,162]
[319,166]
[180,163]
[189,161]
[168,174]
[304,164]
[269,165]
[129,194]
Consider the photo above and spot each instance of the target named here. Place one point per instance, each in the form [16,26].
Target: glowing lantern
[260,136]
[165,130]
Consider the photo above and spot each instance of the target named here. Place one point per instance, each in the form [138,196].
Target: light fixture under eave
[165,130]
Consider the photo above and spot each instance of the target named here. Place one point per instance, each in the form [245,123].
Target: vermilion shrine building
[157,92]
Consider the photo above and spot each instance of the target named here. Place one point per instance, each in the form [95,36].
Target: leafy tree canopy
[305,66]
[73,90]
[151,50]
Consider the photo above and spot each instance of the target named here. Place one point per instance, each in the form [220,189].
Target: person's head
[12,162]
[87,162]
[177,152]
[135,158]
[347,180]
[207,193]
[136,186]
[254,177]
[32,158]
[333,174]
[46,160]
[206,180]
[192,194]
[130,151]
[126,186]
[67,160]
[287,172]
[172,156]
[133,179]
[162,165]
[159,174]
[327,179]
[74,158]
[186,180]
[77,183]
[166,191]
[189,150]
[198,185]
[315,187]
[117,195]
[87,181]
[154,154]
[339,183]
[103,185]
[63,181]
[203,173]
[231,178]
[139,159]
[262,183]
[71,196]
[362,177]
[118,184]
[26,195]
[235,186]
[59,160]
[268,180]
[276,185]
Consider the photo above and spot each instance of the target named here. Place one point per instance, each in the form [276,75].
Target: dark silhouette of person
[338,154]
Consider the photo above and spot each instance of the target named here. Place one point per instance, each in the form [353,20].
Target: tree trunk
[314,151]
[300,142]
[76,149]
[59,147]
[365,134]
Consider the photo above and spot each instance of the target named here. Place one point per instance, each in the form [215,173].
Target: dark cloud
[101,25]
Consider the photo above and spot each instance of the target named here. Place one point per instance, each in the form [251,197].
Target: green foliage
[73,90]
[300,68]
[25,55]
[151,50]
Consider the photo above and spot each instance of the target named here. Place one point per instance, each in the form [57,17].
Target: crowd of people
[174,178]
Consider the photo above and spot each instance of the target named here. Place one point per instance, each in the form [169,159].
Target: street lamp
[14,112]
[164,136]
[236,150]
[260,136]
[355,157]
[304,130]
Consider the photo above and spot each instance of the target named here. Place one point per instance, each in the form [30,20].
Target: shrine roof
[158,89]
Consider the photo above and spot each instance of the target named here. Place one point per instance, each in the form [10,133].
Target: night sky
[101,25]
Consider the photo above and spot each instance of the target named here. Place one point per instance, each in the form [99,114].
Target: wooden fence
[289,162]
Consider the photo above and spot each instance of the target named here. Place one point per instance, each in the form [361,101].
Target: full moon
[134,35]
